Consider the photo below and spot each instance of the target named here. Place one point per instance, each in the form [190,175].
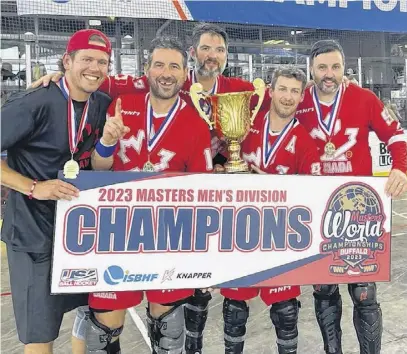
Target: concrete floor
[260,335]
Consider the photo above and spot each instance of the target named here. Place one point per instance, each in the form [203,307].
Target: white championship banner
[173,10]
[140,231]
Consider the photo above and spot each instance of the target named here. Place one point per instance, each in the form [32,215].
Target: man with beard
[276,144]
[166,134]
[209,51]
[339,118]
[44,131]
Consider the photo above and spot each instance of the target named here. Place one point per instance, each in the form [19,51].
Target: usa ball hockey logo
[78,277]
[352,226]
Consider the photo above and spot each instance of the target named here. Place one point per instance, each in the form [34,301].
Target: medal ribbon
[153,141]
[269,151]
[73,135]
[328,127]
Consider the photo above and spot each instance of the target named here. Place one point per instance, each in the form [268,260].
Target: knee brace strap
[167,332]
[99,336]
[80,323]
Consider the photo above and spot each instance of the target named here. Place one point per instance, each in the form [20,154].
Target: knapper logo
[115,275]
[352,225]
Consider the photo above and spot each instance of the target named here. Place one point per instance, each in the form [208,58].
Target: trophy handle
[196,93]
[259,90]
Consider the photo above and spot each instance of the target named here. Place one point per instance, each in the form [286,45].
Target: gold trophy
[231,117]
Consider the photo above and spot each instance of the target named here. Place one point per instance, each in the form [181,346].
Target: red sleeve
[200,157]
[239,85]
[389,131]
[308,160]
[124,84]
[112,108]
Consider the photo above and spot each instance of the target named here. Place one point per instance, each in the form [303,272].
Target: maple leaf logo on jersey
[352,226]
[139,84]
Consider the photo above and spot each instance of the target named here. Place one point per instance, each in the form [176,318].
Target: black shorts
[38,314]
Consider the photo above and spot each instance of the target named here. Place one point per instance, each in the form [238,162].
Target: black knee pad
[196,311]
[196,314]
[99,337]
[284,315]
[235,315]
[202,296]
[363,294]
[326,291]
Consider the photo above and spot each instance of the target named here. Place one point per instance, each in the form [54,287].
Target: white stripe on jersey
[397,138]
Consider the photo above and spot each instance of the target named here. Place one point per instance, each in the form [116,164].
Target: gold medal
[71,169]
[148,167]
[330,149]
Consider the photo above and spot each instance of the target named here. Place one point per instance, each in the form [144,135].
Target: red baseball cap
[80,40]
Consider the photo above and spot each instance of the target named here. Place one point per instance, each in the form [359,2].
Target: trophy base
[236,167]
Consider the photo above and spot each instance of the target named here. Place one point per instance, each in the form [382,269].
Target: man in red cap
[46,130]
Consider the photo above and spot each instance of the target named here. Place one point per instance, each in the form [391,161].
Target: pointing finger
[118,110]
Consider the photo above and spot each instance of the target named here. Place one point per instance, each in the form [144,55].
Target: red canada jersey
[223,84]
[341,130]
[178,141]
[124,84]
[291,151]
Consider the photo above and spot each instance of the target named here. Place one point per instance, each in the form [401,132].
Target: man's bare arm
[53,189]
[14,180]
[100,163]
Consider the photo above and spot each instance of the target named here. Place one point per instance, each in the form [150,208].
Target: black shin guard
[196,314]
[284,316]
[367,317]
[328,310]
[235,315]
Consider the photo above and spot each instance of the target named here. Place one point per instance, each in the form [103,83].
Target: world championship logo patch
[352,228]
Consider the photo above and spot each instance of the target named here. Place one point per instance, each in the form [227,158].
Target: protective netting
[377,60]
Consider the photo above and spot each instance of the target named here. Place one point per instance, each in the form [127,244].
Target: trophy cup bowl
[230,116]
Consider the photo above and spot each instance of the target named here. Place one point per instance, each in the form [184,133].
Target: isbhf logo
[352,228]
[115,275]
